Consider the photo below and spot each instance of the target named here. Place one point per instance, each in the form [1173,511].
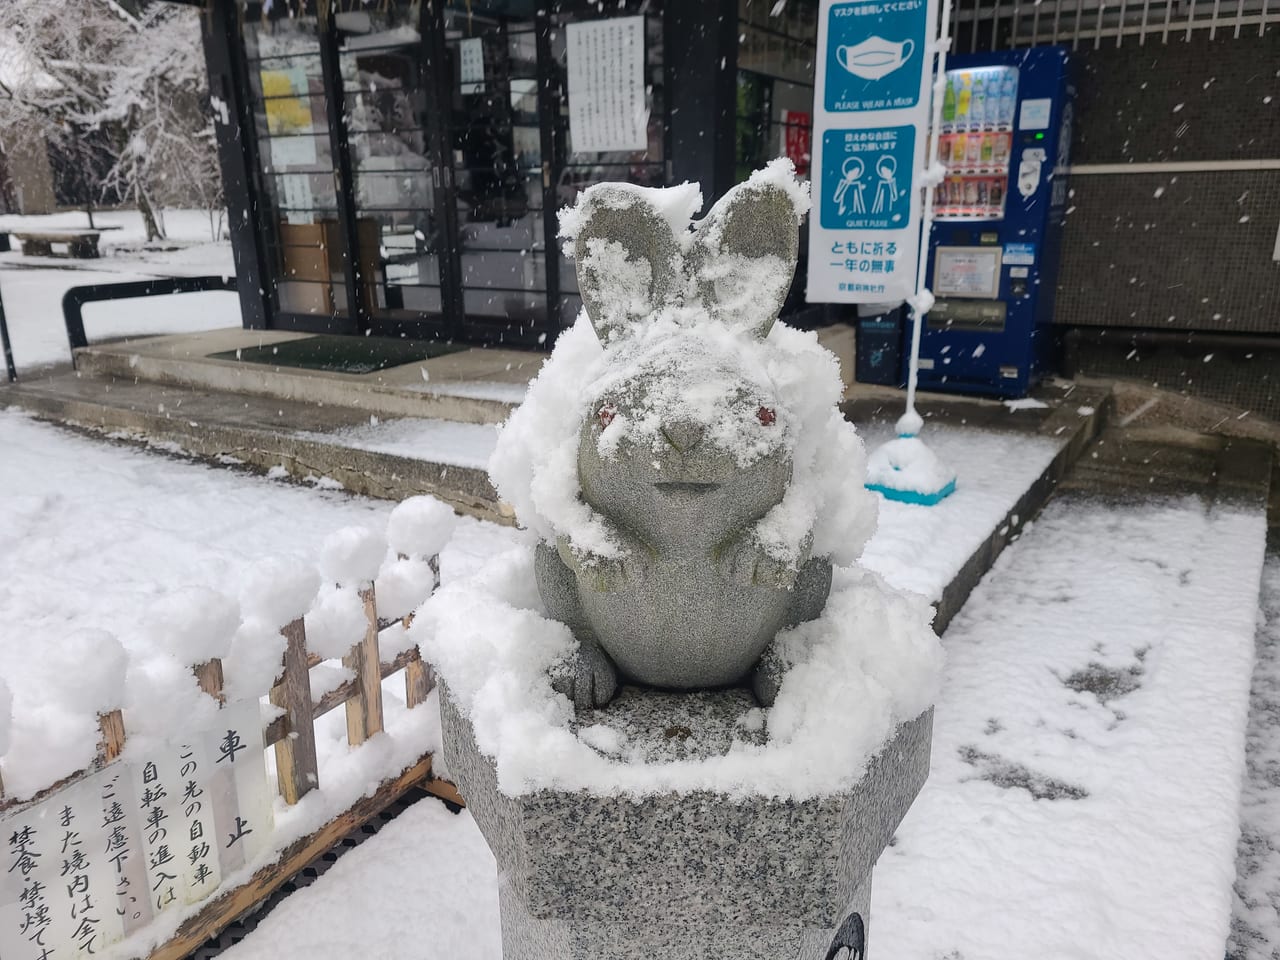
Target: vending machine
[997,229]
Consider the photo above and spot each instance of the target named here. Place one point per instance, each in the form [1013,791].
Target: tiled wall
[1175,250]
[1200,99]
[1172,251]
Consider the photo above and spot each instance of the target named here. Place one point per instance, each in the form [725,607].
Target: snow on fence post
[296,765]
[351,557]
[419,527]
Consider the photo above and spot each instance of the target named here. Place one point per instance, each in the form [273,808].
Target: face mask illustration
[875,57]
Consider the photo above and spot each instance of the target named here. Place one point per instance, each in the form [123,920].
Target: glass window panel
[504,270]
[529,308]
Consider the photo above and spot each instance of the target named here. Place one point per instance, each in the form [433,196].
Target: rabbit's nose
[684,435]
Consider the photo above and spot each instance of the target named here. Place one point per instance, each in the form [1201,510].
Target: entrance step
[471,386]
[308,440]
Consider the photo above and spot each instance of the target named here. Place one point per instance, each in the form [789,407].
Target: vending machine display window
[979,107]
[972,272]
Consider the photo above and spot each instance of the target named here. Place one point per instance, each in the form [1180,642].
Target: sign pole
[8,347]
[905,469]
[921,302]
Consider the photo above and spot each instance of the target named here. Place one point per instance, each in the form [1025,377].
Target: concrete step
[303,438]
[474,386]
[1171,461]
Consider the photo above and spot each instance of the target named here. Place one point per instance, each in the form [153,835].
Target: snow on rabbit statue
[690,556]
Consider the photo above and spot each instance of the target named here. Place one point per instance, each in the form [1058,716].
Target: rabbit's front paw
[746,563]
[587,677]
[599,573]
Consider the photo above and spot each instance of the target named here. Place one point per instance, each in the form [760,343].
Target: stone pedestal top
[582,875]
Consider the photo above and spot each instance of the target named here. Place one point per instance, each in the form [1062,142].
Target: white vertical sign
[606,85]
[102,857]
[871,120]
[57,893]
[471,65]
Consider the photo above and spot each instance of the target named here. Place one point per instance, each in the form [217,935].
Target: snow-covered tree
[125,77]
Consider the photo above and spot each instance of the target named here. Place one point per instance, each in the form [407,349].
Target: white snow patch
[420,527]
[1025,403]
[908,464]
[191,624]
[336,623]
[402,586]
[353,555]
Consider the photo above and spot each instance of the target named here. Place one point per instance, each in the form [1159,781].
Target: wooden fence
[292,736]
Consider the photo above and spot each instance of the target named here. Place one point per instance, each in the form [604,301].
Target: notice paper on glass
[607,110]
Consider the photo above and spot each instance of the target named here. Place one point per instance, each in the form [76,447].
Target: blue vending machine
[997,229]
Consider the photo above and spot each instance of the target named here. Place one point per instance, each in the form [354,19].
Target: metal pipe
[926,220]
[1173,166]
[74,299]
[8,347]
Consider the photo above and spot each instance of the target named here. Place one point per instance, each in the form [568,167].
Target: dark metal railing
[74,299]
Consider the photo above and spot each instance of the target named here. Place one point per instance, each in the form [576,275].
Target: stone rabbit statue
[683,450]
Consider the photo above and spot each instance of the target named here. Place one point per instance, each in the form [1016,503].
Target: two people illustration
[850,193]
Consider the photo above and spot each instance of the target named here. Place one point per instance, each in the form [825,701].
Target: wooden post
[112,726]
[364,710]
[209,676]
[296,768]
[419,678]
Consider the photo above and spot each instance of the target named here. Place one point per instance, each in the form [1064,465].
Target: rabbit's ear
[745,256]
[627,258]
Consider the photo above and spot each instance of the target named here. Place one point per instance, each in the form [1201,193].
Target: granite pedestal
[685,876]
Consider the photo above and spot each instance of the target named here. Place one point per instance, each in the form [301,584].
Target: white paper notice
[471,65]
[607,109]
[100,858]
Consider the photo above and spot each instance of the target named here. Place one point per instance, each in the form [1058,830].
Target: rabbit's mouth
[686,489]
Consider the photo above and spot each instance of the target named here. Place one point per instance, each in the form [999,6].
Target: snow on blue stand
[906,470]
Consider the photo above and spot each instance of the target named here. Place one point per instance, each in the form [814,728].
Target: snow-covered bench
[80,244]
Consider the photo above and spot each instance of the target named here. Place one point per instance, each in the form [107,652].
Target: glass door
[304,243]
[495,161]
[399,234]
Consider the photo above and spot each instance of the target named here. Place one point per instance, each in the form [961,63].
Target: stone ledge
[708,863]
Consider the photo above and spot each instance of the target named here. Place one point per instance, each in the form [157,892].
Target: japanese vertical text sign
[871,120]
[101,858]
[607,111]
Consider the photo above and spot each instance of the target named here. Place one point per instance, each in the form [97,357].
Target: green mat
[351,354]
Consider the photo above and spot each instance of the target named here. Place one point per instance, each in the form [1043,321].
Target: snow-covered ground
[32,287]
[923,548]
[1086,762]
[92,534]
[440,441]
[1255,928]
[1106,656]
[1088,745]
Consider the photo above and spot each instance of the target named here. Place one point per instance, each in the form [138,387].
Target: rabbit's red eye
[606,414]
[766,416]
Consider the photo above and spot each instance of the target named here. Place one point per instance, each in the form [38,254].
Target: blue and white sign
[875,52]
[1020,254]
[871,117]
[868,173]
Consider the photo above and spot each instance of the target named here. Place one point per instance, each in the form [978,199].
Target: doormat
[337,354]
